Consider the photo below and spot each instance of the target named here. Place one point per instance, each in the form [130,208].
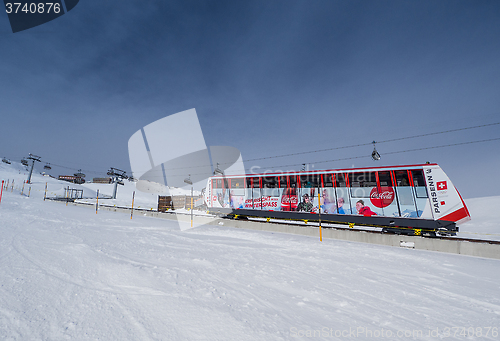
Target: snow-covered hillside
[69,273]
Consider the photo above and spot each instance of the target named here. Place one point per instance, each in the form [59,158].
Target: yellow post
[97,202]
[132,210]
[319,210]
[22,192]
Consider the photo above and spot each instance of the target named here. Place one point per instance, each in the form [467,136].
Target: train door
[289,197]
[220,193]
[270,193]
[421,196]
[329,200]
[307,192]
[386,195]
[248,194]
[342,195]
[364,193]
[237,192]
[405,196]
[256,193]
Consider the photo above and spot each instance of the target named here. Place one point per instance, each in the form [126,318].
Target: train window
[249,182]
[305,181]
[237,183]
[270,186]
[340,180]
[219,183]
[385,179]
[419,183]
[365,179]
[283,182]
[362,184]
[310,181]
[328,180]
[315,180]
[418,177]
[270,182]
[402,178]
[256,182]
[293,181]
[214,184]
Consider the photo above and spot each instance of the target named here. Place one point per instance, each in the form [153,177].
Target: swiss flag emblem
[442,185]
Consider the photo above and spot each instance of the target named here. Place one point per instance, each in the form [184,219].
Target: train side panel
[446,203]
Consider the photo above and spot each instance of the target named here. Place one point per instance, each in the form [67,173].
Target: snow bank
[69,273]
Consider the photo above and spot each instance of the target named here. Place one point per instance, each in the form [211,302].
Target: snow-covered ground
[69,273]
[485,221]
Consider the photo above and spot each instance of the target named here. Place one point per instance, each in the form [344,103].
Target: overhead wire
[367,144]
[342,147]
[369,156]
[328,149]
[395,152]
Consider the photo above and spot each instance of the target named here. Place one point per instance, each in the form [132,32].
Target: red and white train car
[411,199]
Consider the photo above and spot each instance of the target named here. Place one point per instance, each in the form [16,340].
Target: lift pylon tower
[33,158]
[117,175]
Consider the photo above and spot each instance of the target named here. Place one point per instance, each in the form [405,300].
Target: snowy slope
[19,174]
[485,219]
[69,273]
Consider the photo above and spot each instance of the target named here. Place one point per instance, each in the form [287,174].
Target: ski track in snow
[68,273]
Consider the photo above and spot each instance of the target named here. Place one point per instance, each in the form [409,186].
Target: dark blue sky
[267,77]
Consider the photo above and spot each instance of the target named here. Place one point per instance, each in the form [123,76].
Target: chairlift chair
[79,174]
[375,153]
[47,166]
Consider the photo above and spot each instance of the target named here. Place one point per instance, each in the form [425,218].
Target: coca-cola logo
[289,199]
[382,196]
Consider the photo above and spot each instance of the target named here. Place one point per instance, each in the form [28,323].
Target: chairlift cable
[345,147]
[329,149]
[367,144]
[395,152]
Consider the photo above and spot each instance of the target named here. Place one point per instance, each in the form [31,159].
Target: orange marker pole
[97,202]
[132,209]
[22,192]
[1,192]
[45,194]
